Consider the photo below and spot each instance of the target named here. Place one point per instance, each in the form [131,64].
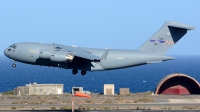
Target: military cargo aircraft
[93,59]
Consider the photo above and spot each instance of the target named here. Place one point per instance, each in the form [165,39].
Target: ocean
[138,79]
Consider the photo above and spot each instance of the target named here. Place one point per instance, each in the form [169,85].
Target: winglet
[104,56]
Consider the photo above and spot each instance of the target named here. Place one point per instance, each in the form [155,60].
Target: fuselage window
[58,48]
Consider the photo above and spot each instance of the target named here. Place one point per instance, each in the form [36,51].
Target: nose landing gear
[14,65]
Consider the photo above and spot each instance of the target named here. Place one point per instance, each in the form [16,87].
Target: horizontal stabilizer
[180,25]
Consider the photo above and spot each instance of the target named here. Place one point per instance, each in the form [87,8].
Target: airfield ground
[136,101]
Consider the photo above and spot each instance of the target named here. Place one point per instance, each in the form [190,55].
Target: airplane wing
[90,56]
[81,53]
[86,55]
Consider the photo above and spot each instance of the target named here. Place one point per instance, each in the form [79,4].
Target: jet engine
[61,57]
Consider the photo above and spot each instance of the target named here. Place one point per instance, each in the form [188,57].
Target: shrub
[53,108]
[108,101]
[138,108]
[15,103]
[9,93]
[13,108]
[89,101]
[146,99]
[188,108]
[65,108]
[107,108]
[88,108]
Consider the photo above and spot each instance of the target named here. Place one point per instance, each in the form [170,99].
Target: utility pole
[72,101]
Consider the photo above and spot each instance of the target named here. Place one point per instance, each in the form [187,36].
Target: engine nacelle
[61,57]
[45,54]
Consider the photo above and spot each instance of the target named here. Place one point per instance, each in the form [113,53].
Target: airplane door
[31,55]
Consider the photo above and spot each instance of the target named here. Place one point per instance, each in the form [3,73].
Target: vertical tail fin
[168,35]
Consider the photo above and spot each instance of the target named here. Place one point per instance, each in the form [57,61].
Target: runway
[109,111]
[110,105]
[101,102]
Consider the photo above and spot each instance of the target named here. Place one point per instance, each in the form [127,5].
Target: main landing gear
[74,71]
[83,72]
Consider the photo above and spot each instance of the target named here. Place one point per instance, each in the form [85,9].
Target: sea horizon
[138,79]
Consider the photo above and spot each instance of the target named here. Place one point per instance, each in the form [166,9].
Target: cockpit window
[13,46]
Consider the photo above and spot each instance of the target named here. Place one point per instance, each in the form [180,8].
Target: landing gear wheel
[83,72]
[14,65]
[74,71]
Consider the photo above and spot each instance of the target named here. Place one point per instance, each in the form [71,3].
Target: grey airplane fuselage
[28,52]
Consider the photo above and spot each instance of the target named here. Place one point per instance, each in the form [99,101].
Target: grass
[65,108]
[144,100]
[13,108]
[53,108]
[9,93]
[108,101]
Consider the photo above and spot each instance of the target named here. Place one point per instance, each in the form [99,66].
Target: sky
[118,24]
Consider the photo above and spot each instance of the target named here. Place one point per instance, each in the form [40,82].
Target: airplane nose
[5,52]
